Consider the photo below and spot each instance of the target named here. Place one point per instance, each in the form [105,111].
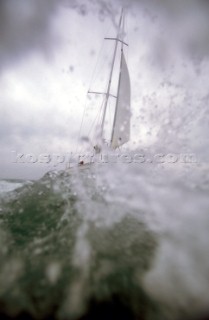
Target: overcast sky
[48,53]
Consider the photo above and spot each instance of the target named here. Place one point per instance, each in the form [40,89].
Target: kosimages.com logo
[56,159]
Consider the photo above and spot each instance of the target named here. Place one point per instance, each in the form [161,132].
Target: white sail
[121,125]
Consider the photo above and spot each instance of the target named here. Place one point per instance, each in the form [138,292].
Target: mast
[111,72]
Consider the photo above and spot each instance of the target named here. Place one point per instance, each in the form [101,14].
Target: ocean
[121,241]
[9,185]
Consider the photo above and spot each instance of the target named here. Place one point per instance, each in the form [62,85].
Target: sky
[48,53]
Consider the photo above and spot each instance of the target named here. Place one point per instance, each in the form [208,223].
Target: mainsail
[121,125]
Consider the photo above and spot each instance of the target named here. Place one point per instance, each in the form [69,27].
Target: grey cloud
[183,24]
[25,26]
[44,129]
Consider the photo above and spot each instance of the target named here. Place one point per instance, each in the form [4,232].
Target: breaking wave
[101,240]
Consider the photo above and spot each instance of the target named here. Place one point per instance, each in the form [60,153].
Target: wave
[109,240]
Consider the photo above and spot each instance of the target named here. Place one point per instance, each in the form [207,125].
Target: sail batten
[121,125]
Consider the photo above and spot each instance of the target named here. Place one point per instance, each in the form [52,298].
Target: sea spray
[70,248]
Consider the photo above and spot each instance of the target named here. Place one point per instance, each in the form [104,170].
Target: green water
[56,261]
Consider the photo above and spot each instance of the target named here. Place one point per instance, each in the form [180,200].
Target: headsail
[121,125]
